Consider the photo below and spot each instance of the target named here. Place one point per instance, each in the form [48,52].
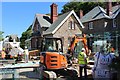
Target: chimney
[109,8]
[81,14]
[54,13]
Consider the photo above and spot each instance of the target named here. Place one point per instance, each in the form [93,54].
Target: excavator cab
[51,55]
[52,45]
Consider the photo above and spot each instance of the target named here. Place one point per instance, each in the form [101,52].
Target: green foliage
[30,28]
[77,6]
[25,35]
[1,35]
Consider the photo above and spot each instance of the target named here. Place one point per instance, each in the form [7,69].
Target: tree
[77,6]
[25,35]
[1,35]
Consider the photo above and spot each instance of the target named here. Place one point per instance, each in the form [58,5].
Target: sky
[16,17]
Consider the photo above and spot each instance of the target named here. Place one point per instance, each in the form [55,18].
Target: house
[41,23]
[102,24]
[12,45]
[94,20]
[64,26]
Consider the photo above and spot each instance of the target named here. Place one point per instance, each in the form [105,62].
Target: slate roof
[61,19]
[56,23]
[99,13]
[115,11]
[96,13]
[12,37]
[43,20]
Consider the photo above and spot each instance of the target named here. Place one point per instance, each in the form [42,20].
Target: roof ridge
[117,9]
[101,11]
[51,26]
[38,14]
[61,19]
[65,13]
[96,13]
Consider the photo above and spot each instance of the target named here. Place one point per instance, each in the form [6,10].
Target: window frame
[105,24]
[114,23]
[71,25]
[37,26]
[90,25]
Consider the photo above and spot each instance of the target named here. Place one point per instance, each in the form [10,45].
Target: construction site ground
[32,74]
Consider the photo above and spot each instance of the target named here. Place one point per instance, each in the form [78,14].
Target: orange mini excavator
[53,60]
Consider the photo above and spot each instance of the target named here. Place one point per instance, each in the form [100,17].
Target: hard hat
[25,47]
[3,49]
[83,49]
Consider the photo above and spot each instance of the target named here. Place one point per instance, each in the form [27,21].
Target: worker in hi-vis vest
[3,53]
[82,61]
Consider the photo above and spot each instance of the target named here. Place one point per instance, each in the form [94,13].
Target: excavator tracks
[62,74]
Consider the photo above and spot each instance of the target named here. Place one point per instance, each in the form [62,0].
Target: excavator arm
[75,40]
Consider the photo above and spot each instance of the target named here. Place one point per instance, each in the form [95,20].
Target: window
[10,39]
[37,26]
[105,24]
[114,23]
[36,43]
[90,25]
[71,25]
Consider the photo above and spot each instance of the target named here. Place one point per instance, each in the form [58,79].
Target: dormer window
[114,23]
[10,39]
[90,26]
[71,25]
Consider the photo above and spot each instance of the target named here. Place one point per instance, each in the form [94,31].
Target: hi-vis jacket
[82,58]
